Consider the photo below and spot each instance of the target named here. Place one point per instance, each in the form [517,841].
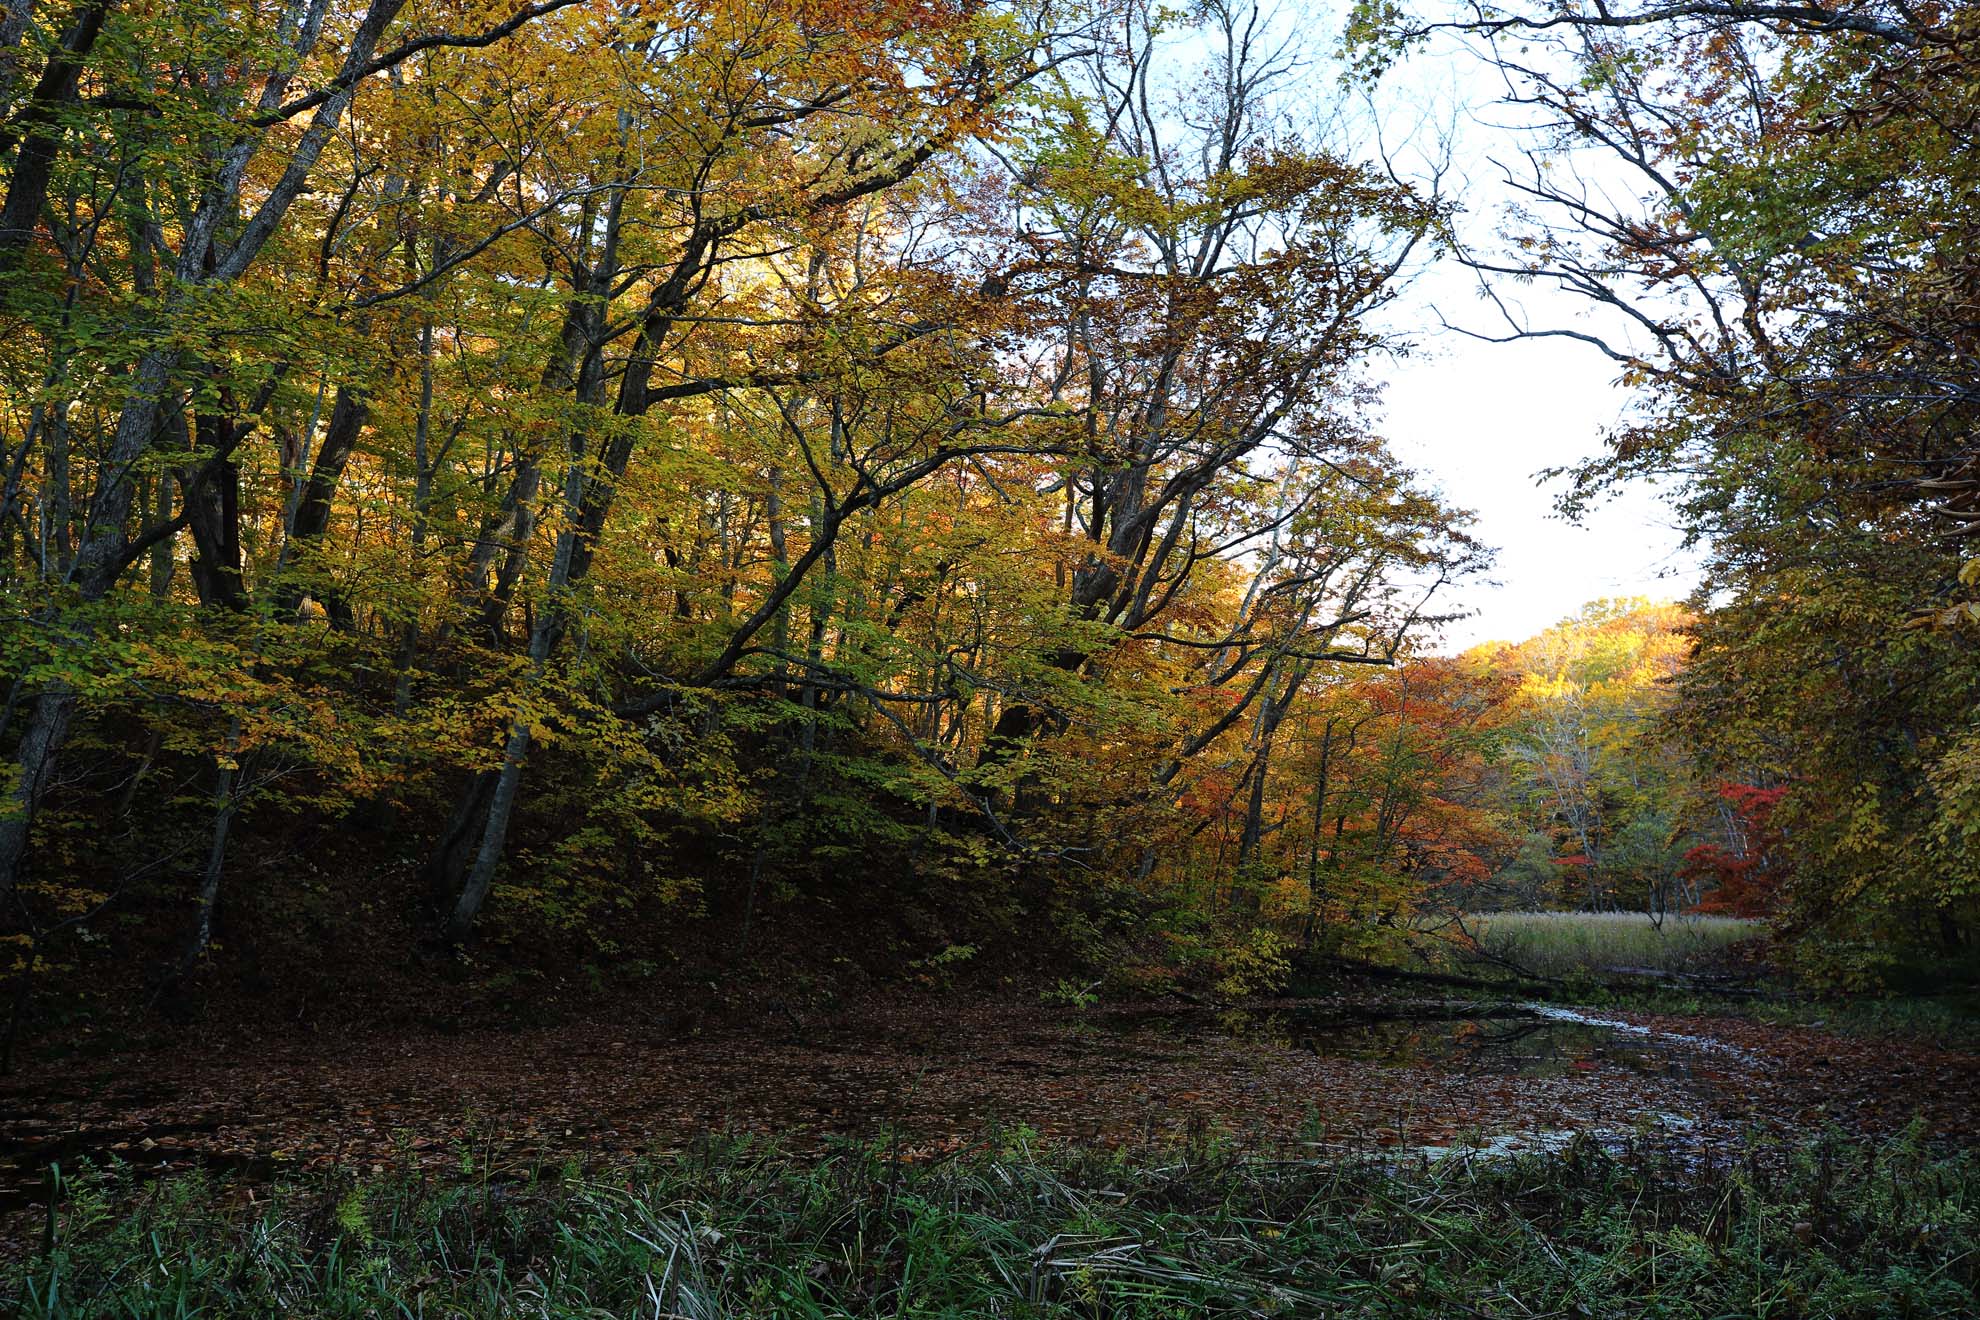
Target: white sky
[1480,420]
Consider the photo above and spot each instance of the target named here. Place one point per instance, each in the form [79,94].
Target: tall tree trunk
[454,850]
[98,563]
[57,545]
[544,635]
[163,561]
[1320,788]
[225,806]
[348,415]
[40,131]
[212,501]
[423,467]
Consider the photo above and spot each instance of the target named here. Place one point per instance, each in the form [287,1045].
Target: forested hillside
[525,476]
[548,496]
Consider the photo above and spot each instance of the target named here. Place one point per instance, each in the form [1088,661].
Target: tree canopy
[555,484]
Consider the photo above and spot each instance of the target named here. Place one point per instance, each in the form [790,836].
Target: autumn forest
[831,577]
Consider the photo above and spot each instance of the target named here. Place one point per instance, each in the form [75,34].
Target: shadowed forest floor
[1333,1074]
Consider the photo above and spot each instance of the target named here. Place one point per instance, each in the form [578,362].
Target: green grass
[1949,1021]
[1831,1231]
[1934,1002]
[1567,944]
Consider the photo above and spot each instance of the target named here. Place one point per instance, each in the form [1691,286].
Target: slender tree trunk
[128,797]
[56,512]
[348,415]
[515,750]
[1320,789]
[454,849]
[1269,717]
[163,560]
[41,744]
[422,494]
[494,837]
[212,495]
[14,15]
[225,805]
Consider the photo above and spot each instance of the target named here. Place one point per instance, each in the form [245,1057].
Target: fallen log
[1710,983]
[1535,989]
[1534,986]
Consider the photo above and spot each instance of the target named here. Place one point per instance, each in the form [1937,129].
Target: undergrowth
[738,1231]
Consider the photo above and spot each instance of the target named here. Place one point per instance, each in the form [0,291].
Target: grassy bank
[730,1232]
[1593,954]
[1568,944]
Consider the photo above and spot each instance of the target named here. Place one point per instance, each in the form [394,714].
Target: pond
[1355,1075]
[1522,1040]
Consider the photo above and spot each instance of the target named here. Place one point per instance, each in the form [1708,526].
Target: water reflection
[1505,1041]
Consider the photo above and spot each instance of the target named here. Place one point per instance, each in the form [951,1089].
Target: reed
[742,1231]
